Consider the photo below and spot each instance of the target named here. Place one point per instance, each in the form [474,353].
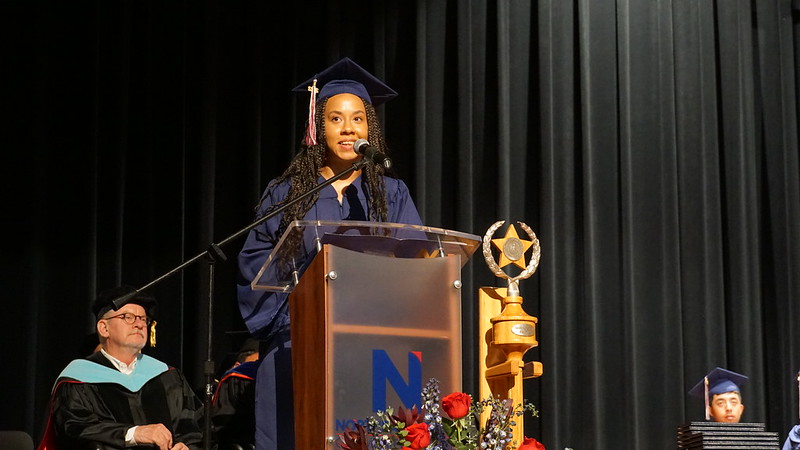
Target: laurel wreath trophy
[512,249]
[506,330]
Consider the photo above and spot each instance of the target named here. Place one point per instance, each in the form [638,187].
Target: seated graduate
[793,439]
[118,397]
[721,390]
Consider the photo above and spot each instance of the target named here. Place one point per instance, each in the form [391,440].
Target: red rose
[531,444]
[418,436]
[456,405]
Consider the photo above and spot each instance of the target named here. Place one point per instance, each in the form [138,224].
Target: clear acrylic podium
[375,311]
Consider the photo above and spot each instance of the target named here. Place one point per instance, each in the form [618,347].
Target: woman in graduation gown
[342,112]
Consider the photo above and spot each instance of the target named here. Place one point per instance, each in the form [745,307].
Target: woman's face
[345,122]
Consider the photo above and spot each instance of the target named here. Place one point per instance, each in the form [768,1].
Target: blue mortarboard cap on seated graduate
[343,77]
[718,381]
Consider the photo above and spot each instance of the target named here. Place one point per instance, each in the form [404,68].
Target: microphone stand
[213,253]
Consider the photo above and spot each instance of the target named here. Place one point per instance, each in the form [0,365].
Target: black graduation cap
[250,345]
[343,77]
[242,343]
[119,296]
[718,381]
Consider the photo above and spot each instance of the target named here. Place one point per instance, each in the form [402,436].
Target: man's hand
[156,434]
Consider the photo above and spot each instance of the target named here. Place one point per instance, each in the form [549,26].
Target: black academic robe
[102,411]
[233,415]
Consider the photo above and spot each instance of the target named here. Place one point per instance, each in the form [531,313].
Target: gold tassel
[153,334]
[311,129]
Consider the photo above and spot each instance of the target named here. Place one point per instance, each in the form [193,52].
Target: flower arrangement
[458,429]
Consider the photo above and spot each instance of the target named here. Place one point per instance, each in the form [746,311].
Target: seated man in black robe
[233,414]
[118,397]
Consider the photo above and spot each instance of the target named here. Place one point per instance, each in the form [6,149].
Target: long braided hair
[304,170]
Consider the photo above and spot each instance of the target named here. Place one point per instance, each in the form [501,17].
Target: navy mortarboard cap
[347,77]
[343,77]
[718,381]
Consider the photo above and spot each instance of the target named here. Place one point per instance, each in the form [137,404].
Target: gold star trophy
[506,330]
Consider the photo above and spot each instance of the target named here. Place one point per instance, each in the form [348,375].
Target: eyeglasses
[130,319]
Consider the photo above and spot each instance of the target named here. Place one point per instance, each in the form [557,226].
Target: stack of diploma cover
[713,435]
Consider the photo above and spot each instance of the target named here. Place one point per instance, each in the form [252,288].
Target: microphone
[120,301]
[362,147]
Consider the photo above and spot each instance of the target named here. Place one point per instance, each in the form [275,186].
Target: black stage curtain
[651,144]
